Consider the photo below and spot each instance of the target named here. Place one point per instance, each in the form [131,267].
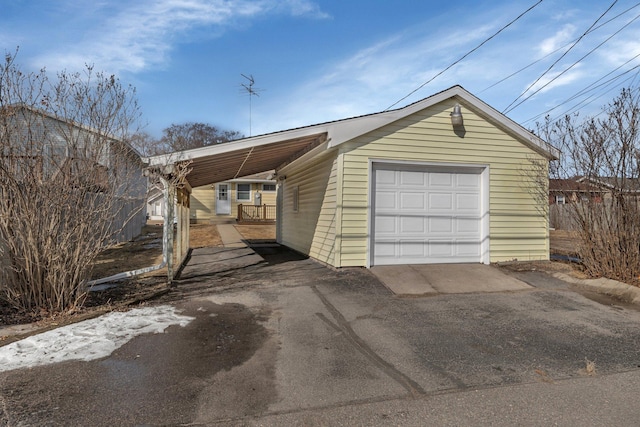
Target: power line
[558,49]
[463,57]
[589,88]
[506,110]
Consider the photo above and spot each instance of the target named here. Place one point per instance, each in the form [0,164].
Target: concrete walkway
[431,279]
[230,236]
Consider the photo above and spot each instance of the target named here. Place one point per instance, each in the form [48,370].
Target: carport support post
[167,234]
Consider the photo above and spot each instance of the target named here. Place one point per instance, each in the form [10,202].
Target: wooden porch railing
[259,213]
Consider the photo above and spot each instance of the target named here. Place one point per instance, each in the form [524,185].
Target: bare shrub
[603,154]
[68,182]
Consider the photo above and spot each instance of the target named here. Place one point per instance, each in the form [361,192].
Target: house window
[243,192]
[296,197]
[268,187]
[560,200]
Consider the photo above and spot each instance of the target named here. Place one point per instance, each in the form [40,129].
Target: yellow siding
[312,229]
[518,226]
[203,201]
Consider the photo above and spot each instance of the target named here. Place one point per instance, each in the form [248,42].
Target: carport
[180,171]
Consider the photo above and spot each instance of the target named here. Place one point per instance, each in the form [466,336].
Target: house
[446,179]
[573,190]
[38,147]
[591,189]
[225,200]
[155,203]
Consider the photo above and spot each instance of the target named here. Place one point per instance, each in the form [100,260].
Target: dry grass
[257,231]
[204,235]
[144,251]
[564,242]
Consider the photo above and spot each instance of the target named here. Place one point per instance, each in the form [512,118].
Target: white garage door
[426,214]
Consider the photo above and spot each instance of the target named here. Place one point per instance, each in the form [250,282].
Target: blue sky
[315,61]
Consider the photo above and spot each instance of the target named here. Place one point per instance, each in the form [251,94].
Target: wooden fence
[562,217]
[259,213]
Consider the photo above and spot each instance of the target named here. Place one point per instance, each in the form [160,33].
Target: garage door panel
[386,200]
[440,179]
[468,180]
[412,200]
[423,216]
[386,225]
[386,249]
[467,202]
[411,248]
[440,225]
[468,225]
[386,177]
[412,225]
[469,248]
[440,249]
[412,179]
[440,202]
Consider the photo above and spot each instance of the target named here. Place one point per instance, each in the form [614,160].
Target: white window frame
[560,199]
[238,192]
[269,190]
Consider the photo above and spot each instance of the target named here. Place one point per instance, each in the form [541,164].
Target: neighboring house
[48,147]
[573,190]
[447,179]
[222,199]
[155,203]
[594,190]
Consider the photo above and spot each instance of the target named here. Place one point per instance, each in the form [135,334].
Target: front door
[223,199]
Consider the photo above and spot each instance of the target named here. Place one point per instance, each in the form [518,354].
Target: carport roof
[240,158]
[221,162]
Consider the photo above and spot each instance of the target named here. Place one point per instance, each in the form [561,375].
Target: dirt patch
[257,231]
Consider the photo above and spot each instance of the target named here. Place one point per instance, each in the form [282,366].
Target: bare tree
[178,137]
[145,144]
[603,153]
[68,182]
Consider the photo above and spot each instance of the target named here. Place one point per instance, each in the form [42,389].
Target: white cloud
[554,80]
[559,39]
[140,35]
[619,52]
[305,8]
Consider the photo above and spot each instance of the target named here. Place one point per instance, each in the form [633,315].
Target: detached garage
[447,179]
[409,187]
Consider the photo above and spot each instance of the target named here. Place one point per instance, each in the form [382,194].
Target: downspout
[167,244]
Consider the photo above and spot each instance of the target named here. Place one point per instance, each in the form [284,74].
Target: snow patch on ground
[89,340]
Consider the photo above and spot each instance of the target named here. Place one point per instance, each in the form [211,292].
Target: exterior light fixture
[456,116]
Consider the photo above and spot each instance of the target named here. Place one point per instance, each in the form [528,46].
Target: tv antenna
[248,87]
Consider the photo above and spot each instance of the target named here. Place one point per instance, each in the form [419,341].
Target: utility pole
[248,87]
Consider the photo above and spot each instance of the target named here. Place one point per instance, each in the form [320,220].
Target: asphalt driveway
[284,340]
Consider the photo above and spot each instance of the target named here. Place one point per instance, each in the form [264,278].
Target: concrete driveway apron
[425,279]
